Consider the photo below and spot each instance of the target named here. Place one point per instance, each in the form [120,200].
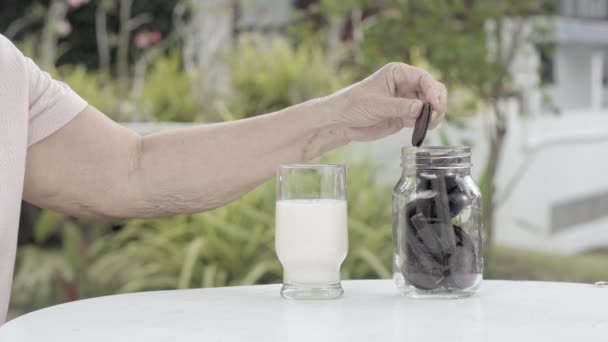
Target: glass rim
[310,166]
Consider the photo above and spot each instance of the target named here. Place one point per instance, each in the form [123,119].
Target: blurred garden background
[152,64]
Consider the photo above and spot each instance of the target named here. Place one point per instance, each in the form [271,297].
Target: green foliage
[99,91]
[168,93]
[450,35]
[370,226]
[233,245]
[269,75]
[529,265]
[56,268]
[266,75]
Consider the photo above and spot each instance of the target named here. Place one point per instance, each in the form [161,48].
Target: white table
[370,311]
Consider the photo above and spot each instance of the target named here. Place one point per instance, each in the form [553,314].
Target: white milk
[311,240]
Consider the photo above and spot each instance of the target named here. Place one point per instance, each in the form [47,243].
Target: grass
[516,264]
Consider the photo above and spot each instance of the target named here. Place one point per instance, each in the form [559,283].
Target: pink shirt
[32,107]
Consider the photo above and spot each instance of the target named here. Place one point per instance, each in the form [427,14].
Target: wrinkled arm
[97,169]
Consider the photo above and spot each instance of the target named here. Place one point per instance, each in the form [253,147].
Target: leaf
[254,242]
[221,278]
[192,253]
[258,216]
[73,245]
[209,274]
[48,223]
[258,271]
[373,262]
[149,283]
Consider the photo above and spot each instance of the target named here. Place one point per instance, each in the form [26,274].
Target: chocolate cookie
[438,252]
[422,125]
[463,263]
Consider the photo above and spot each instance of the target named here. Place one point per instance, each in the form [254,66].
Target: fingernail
[434,115]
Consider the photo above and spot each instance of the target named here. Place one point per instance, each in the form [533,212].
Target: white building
[560,201]
[580,61]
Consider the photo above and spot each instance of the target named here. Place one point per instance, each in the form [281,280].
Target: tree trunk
[124,44]
[103,47]
[207,46]
[358,35]
[334,40]
[488,199]
[16,26]
[48,46]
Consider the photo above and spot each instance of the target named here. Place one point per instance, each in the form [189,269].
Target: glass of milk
[311,237]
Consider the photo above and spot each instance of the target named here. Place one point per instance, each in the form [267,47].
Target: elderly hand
[387,101]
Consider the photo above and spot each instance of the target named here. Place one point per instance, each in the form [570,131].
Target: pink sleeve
[52,104]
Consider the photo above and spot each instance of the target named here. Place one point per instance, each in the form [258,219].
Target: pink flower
[146,39]
[77,3]
[141,40]
[64,28]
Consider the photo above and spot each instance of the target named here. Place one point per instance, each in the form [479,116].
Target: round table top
[371,310]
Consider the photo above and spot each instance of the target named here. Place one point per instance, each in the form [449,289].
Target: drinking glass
[311,237]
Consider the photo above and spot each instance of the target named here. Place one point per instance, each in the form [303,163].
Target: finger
[436,119]
[381,130]
[407,110]
[404,80]
[438,115]
[435,93]
[438,97]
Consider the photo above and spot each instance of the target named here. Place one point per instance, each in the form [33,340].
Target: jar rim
[437,157]
[455,150]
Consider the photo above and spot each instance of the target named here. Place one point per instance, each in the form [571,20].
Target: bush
[271,74]
[266,76]
[56,266]
[98,90]
[168,92]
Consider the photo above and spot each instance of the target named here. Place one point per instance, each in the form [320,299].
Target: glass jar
[437,225]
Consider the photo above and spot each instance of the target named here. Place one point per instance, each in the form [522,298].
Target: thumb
[408,110]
